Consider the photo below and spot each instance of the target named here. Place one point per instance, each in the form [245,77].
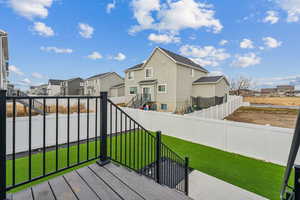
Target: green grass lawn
[254,175]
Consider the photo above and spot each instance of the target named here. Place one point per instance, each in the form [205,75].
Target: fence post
[297,182]
[186,178]
[2,144]
[103,129]
[158,156]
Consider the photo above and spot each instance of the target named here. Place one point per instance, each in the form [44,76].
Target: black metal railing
[292,192]
[92,128]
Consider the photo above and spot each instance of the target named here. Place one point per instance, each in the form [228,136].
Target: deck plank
[24,194]
[100,187]
[144,185]
[42,192]
[61,189]
[123,190]
[80,188]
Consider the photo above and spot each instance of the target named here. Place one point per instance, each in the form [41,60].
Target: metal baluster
[88,130]
[121,139]
[116,133]
[126,133]
[29,139]
[56,137]
[44,137]
[68,132]
[130,138]
[110,127]
[2,144]
[14,143]
[96,125]
[78,129]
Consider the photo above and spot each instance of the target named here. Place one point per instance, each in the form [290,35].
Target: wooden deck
[96,182]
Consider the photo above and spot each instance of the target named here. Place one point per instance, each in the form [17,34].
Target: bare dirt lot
[279,117]
[283,101]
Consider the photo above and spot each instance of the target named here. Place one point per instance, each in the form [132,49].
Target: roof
[177,58]
[182,59]
[3,33]
[72,79]
[147,82]
[118,85]
[136,66]
[208,79]
[55,81]
[99,75]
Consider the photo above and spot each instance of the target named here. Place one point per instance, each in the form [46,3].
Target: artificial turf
[253,175]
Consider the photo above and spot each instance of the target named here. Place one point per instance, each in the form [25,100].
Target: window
[163,106]
[81,84]
[162,88]
[148,73]
[130,75]
[192,72]
[133,90]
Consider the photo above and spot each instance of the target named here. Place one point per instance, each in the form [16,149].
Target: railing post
[186,176]
[2,144]
[297,182]
[158,156]
[103,129]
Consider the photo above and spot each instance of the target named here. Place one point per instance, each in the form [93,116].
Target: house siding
[222,88]
[204,90]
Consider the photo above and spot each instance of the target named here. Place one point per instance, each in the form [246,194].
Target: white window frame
[163,92]
[192,72]
[163,104]
[151,76]
[146,87]
[132,77]
[133,87]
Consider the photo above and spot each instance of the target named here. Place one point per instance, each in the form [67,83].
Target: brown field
[283,101]
[22,111]
[280,117]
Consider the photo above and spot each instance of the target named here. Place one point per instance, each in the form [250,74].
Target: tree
[240,83]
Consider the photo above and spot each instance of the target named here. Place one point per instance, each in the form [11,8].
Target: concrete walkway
[203,186]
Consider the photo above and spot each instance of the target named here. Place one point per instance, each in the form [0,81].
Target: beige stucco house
[3,60]
[168,81]
[101,83]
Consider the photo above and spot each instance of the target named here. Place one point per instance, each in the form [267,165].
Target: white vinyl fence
[267,143]
[221,111]
[262,142]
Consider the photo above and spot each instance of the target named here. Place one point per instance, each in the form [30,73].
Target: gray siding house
[169,80]
[74,86]
[101,83]
[3,60]
[53,87]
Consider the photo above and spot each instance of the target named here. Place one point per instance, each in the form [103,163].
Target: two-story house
[169,80]
[73,86]
[101,83]
[53,87]
[3,60]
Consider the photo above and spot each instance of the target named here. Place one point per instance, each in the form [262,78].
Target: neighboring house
[297,93]
[286,90]
[73,86]
[244,92]
[268,92]
[168,81]
[101,83]
[117,90]
[54,87]
[3,60]
[38,90]
[211,86]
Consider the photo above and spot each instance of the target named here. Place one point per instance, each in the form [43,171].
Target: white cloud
[57,50]
[292,7]
[86,31]
[120,57]
[42,29]
[246,44]
[26,81]
[272,17]
[110,6]
[205,56]
[38,75]
[246,60]
[95,55]
[15,70]
[163,38]
[271,42]
[173,16]
[223,42]
[31,8]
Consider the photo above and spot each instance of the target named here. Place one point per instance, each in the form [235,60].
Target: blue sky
[63,38]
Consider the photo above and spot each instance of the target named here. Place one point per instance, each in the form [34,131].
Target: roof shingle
[208,79]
